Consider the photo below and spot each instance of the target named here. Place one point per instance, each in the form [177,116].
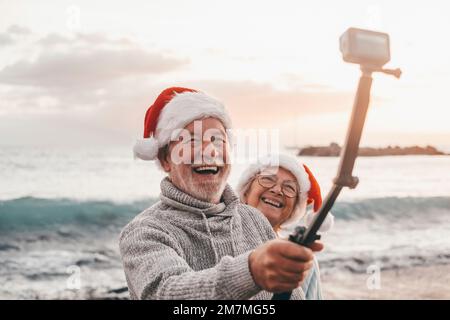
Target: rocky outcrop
[334,150]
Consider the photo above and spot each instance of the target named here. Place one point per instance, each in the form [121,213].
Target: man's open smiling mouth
[206,169]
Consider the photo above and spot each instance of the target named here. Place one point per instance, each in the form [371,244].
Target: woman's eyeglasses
[289,188]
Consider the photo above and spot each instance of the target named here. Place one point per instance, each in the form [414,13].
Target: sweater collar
[174,197]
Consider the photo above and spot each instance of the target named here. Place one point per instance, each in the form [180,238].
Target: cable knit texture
[184,248]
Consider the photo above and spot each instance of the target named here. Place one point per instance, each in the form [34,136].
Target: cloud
[86,60]
[8,37]
[53,39]
[93,71]
[250,104]
[81,68]
[18,30]
[105,84]
[5,40]
[91,39]
[83,74]
[261,103]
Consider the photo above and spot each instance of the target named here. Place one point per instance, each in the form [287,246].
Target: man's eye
[191,140]
[217,139]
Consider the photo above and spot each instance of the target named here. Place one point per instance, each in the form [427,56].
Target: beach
[423,282]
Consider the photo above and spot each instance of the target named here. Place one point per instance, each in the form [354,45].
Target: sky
[83,72]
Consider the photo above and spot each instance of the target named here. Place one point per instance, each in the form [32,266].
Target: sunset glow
[95,68]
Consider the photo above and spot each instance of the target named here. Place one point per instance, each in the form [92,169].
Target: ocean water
[61,211]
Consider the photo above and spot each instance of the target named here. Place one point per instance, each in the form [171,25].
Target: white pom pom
[326,225]
[146,149]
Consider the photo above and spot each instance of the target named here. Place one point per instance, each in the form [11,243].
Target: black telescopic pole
[344,178]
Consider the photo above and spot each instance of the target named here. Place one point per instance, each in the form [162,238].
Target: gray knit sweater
[184,248]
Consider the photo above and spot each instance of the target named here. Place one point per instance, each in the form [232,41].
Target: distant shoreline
[334,150]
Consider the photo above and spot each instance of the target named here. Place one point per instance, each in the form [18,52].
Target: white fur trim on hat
[182,109]
[146,148]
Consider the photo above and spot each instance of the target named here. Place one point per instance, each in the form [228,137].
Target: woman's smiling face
[273,202]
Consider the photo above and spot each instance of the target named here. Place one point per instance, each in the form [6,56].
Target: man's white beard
[206,191]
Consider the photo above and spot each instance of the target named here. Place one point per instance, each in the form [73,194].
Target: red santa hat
[175,108]
[309,188]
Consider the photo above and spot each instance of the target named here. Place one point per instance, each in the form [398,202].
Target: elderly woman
[282,193]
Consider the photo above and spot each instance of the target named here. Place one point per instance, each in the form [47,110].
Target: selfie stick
[306,236]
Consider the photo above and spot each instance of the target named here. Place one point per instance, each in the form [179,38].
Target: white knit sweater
[184,248]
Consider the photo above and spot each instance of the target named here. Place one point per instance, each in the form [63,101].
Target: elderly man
[199,241]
